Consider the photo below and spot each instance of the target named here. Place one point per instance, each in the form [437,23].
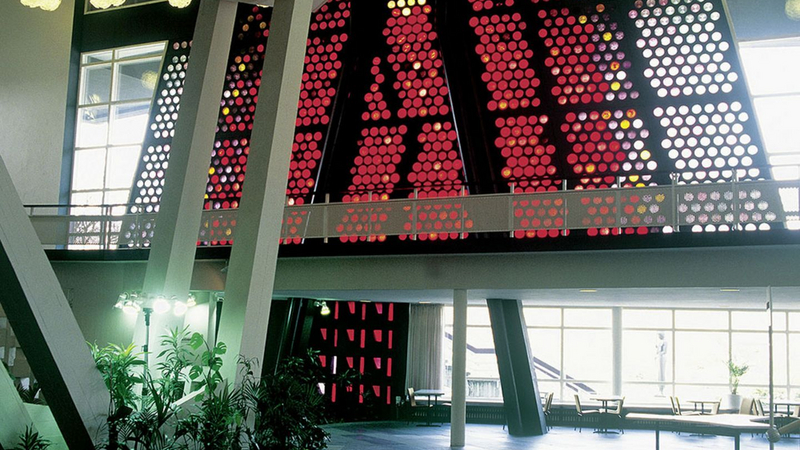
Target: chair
[618,413]
[681,412]
[583,412]
[672,405]
[795,412]
[548,404]
[412,405]
[715,408]
[759,407]
[747,406]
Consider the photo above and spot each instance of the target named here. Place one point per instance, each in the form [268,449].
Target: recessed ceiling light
[729,290]
[588,291]
[425,303]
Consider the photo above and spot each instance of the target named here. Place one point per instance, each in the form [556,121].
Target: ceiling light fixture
[588,291]
[105,4]
[46,5]
[180,3]
[793,9]
[729,290]
[323,307]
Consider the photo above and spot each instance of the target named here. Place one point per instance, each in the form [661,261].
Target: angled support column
[251,272]
[43,323]
[12,410]
[172,252]
[169,268]
[517,375]
[458,408]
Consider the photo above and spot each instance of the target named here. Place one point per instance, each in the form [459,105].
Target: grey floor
[400,436]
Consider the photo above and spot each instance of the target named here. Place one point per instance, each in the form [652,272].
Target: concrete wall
[34,72]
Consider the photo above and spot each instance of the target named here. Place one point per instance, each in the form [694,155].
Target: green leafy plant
[207,369]
[176,356]
[31,440]
[736,372]
[116,364]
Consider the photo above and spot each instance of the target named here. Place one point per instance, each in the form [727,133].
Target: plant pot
[731,402]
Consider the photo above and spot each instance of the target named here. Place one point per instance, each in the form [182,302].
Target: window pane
[587,354]
[752,349]
[709,320]
[117,198]
[687,393]
[574,317]
[794,360]
[757,320]
[701,357]
[650,393]
[794,321]
[478,315]
[87,172]
[129,122]
[135,80]
[646,356]
[447,311]
[772,69]
[646,318]
[92,127]
[141,50]
[778,117]
[86,198]
[546,349]
[89,58]
[542,317]
[550,386]
[95,84]
[483,378]
[121,166]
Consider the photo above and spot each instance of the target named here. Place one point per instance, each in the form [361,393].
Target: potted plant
[735,373]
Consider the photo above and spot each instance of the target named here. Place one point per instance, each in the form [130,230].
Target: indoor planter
[733,400]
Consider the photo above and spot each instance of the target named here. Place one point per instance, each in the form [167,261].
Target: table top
[730,421]
[704,401]
[430,392]
[606,398]
[787,402]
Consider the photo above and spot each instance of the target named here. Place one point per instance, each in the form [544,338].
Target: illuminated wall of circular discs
[608,148]
[412,73]
[149,179]
[708,142]
[684,47]
[585,57]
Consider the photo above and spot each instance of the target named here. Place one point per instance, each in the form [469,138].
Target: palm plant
[31,440]
[176,356]
[736,372]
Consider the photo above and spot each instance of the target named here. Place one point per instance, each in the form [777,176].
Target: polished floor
[400,436]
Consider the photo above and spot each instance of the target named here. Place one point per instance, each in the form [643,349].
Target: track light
[323,307]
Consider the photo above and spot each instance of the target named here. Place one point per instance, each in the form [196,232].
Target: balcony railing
[750,205]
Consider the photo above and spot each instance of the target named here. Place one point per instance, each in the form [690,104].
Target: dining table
[430,393]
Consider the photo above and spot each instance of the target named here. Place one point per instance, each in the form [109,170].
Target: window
[116,90]
[771,67]
[663,352]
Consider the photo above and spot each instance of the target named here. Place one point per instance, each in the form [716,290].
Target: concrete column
[45,326]
[12,410]
[251,272]
[458,410]
[616,356]
[169,268]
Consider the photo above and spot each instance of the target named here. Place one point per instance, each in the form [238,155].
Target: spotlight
[160,305]
[180,308]
[191,301]
[129,307]
[323,307]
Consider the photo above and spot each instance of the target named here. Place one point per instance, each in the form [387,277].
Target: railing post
[414,215]
[565,229]
[369,210]
[675,201]
[618,206]
[735,190]
[511,210]
[463,212]
[103,227]
[325,218]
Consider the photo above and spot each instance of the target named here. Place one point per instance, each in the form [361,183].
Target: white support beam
[169,267]
[45,326]
[251,273]
[12,410]
[458,410]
